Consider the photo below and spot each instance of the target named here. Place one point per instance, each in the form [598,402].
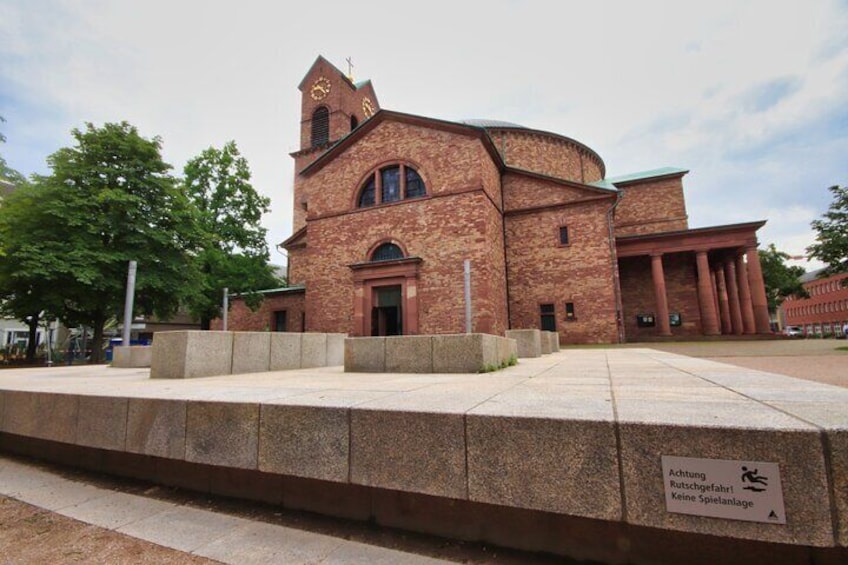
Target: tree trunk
[97,340]
[33,337]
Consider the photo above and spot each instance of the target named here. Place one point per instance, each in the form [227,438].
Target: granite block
[798,453]
[409,354]
[222,433]
[563,466]
[365,355]
[102,422]
[304,441]
[529,342]
[554,341]
[837,452]
[546,343]
[132,356]
[41,415]
[335,349]
[410,451]
[285,351]
[458,353]
[157,427]
[189,354]
[313,350]
[251,352]
[506,347]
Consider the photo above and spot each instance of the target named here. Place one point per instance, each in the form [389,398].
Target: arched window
[320,126]
[391,184]
[387,252]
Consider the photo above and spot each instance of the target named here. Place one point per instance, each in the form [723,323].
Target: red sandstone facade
[389,207]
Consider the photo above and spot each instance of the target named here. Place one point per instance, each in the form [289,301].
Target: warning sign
[721,488]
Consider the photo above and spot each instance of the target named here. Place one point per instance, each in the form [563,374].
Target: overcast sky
[750,96]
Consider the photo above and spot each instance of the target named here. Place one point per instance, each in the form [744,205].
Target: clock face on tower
[320,88]
[367,107]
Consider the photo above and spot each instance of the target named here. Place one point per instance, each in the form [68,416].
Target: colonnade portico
[730,290]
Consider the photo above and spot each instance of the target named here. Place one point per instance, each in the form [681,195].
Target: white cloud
[749,95]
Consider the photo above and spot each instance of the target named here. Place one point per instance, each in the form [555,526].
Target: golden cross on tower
[349,69]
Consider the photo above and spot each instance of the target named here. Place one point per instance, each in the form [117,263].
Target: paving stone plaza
[568,453]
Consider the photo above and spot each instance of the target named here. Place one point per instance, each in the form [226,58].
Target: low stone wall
[132,357]
[534,343]
[190,354]
[456,353]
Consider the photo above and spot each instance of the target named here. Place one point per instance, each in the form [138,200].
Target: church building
[389,207]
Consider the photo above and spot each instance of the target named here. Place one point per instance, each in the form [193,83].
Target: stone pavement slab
[228,539]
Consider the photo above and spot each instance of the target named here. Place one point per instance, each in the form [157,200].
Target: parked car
[793,331]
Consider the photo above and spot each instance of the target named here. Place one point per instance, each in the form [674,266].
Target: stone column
[709,317]
[733,296]
[745,295]
[762,319]
[658,276]
[723,302]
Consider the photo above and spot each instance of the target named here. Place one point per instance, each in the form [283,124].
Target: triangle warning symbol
[772,515]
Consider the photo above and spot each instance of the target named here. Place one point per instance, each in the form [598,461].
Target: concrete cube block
[507,347]
[251,352]
[409,451]
[313,350]
[41,415]
[529,342]
[554,341]
[304,441]
[546,343]
[190,354]
[365,355]
[460,353]
[285,351]
[102,422]
[562,466]
[409,354]
[222,433]
[157,427]
[132,356]
[335,349]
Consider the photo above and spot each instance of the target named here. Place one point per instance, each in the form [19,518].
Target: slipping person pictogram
[755,479]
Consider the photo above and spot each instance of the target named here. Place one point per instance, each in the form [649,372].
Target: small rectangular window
[548,317]
[569,311]
[645,320]
[280,321]
[563,235]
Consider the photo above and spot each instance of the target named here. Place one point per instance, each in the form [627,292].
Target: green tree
[781,280]
[25,288]
[234,253]
[7,173]
[109,199]
[831,245]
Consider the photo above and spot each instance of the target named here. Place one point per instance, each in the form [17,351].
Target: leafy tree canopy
[235,253]
[781,280]
[110,199]
[831,245]
[7,173]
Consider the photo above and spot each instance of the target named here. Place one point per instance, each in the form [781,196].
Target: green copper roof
[662,172]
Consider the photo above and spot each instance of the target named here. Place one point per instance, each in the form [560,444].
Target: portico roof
[699,239]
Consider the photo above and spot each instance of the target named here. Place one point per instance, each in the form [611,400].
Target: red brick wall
[547,154]
[651,207]
[443,231]
[542,271]
[522,192]
[637,294]
[241,318]
[827,305]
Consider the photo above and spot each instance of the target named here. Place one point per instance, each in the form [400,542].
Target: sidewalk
[195,532]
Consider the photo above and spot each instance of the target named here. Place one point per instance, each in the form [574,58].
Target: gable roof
[388,115]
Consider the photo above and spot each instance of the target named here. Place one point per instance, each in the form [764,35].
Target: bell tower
[332,106]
